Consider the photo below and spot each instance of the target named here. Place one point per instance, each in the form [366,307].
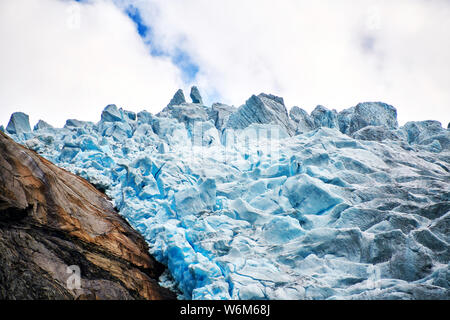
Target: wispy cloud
[335,53]
[62,59]
[137,53]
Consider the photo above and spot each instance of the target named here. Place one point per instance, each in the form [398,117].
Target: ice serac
[54,225]
[427,133]
[322,117]
[41,124]
[187,113]
[18,123]
[178,98]
[220,113]
[130,115]
[144,117]
[195,95]
[309,195]
[74,123]
[344,119]
[302,120]
[367,114]
[253,204]
[112,114]
[261,109]
[378,133]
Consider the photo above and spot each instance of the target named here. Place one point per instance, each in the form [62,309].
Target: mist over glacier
[258,203]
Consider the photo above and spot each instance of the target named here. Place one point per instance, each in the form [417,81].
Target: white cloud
[335,53]
[61,60]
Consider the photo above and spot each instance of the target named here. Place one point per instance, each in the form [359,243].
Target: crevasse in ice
[256,203]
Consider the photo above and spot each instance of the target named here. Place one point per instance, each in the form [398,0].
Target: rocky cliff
[55,226]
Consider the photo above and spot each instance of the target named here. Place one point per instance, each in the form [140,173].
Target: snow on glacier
[247,203]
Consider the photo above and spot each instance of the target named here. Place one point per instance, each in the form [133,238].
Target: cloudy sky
[64,59]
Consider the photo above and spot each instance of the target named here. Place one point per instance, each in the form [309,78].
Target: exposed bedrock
[53,222]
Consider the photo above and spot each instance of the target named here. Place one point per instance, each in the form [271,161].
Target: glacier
[257,202]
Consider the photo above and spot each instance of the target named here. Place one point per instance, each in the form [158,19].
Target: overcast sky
[63,59]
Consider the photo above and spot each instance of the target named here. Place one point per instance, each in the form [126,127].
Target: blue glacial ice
[195,95]
[258,203]
[19,123]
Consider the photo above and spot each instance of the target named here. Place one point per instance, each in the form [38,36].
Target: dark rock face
[51,222]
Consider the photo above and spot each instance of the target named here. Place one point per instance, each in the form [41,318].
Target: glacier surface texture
[257,202]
